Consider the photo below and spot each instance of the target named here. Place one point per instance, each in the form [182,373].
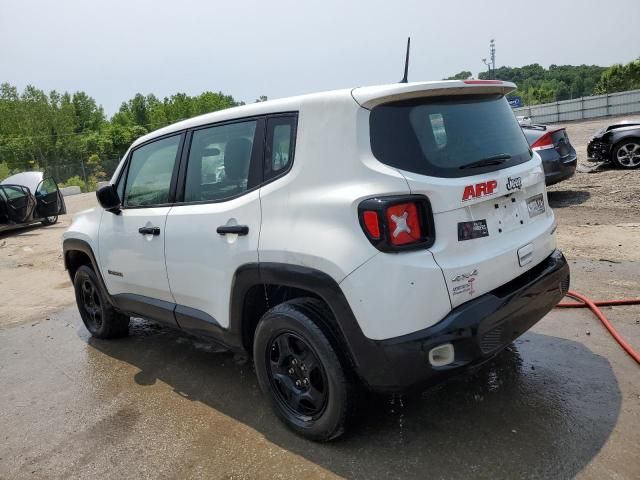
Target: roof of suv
[366,97]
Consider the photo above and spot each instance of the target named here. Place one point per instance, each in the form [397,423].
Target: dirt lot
[563,402]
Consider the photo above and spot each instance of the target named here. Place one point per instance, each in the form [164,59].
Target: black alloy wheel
[297,375]
[97,313]
[297,363]
[91,305]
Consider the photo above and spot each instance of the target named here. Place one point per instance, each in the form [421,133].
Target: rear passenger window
[280,145]
[14,192]
[219,161]
[150,171]
[46,187]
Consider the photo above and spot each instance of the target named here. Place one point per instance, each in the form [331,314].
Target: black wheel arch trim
[365,355]
[188,319]
[361,351]
[75,244]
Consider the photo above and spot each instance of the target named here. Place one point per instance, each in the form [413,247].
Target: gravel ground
[608,187]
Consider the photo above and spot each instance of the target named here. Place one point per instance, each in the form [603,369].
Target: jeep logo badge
[514,183]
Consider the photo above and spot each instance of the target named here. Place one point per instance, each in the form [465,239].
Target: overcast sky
[247,48]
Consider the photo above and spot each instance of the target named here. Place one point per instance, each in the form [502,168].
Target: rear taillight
[397,223]
[371,224]
[404,223]
[545,142]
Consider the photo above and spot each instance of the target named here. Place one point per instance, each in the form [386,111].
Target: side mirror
[108,199]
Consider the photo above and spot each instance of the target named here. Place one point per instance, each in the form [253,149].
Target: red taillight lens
[404,224]
[371,224]
[543,143]
[397,222]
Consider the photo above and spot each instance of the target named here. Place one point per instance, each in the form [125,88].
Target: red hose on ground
[585,302]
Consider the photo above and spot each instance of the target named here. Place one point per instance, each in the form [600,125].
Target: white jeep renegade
[381,236]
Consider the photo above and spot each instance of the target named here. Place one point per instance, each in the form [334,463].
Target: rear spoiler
[369,97]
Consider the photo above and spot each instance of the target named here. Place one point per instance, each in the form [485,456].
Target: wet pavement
[159,404]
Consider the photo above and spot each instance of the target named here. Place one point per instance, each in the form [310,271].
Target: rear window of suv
[443,136]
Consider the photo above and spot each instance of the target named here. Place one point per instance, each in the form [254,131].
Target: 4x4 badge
[465,276]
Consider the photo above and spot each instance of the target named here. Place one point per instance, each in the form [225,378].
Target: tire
[50,220]
[626,153]
[289,347]
[97,314]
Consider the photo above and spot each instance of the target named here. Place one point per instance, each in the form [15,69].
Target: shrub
[4,170]
[75,181]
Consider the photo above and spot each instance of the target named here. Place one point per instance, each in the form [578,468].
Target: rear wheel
[299,369]
[97,314]
[50,220]
[626,154]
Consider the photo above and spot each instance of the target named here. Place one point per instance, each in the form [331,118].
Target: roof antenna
[406,62]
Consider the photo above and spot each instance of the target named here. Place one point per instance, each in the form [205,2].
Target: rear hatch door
[490,228]
[468,155]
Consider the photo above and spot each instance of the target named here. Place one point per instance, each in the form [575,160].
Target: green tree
[63,132]
[463,75]
[559,82]
[618,78]
[4,171]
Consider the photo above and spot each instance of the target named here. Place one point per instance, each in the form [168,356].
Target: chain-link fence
[80,173]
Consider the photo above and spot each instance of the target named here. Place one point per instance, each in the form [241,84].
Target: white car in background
[27,198]
[523,120]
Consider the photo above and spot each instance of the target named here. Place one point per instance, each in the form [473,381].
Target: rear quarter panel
[309,216]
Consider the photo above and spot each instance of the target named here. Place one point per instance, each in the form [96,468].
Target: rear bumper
[557,169]
[564,172]
[478,330]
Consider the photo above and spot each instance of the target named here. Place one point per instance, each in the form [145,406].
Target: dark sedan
[558,156]
[618,143]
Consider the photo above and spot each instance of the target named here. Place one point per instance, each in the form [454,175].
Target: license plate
[535,205]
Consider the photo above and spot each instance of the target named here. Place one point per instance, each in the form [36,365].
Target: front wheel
[299,369]
[626,154]
[97,314]
[50,220]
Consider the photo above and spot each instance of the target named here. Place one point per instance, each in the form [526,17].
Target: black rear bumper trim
[478,329]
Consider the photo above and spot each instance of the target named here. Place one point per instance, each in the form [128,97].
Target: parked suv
[381,236]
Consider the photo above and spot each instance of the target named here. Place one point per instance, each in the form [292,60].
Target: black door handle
[149,230]
[237,229]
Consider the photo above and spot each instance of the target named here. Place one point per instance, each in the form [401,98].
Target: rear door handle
[149,230]
[237,229]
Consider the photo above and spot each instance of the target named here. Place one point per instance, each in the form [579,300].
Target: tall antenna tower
[491,63]
[492,49]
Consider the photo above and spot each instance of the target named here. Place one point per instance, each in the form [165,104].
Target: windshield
[448,136]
